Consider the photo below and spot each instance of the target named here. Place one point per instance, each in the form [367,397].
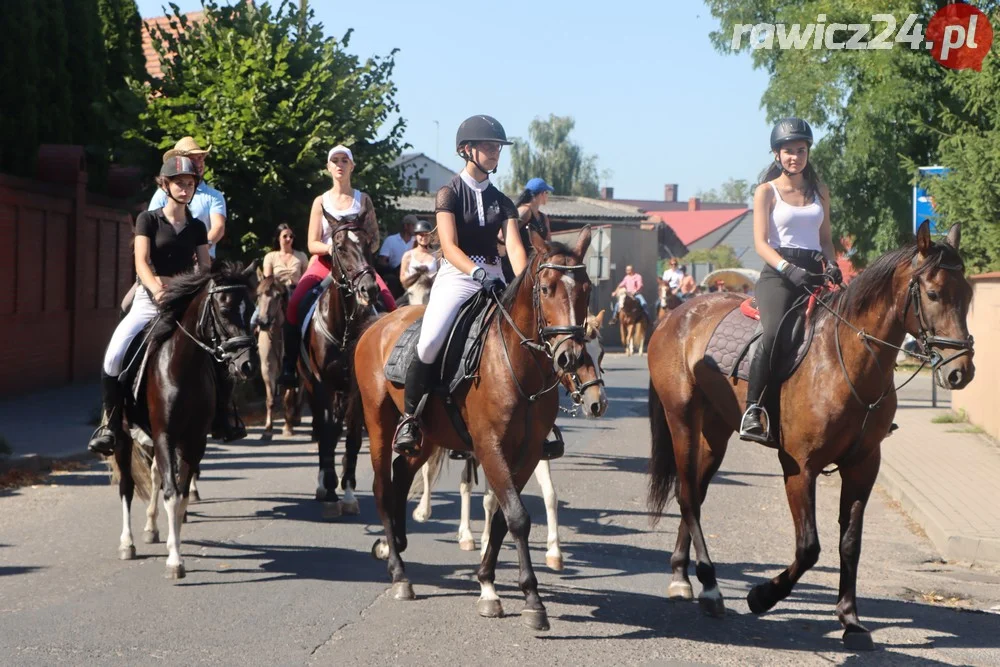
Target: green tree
[720,257]
[121,27]
[271,98]
[19,79]
[733,191]
[550,154]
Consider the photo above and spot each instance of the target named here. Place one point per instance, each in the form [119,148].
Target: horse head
[351,269]
[225,315]
[937,297]
[272,301]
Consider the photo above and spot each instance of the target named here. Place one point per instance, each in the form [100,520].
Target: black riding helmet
[480,128]
[422,227]
[790,129]
[175,166]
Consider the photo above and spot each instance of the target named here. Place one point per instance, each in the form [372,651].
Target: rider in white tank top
[338,214]
[795,226]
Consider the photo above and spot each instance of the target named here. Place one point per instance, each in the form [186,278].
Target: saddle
[458,361]
[735,340]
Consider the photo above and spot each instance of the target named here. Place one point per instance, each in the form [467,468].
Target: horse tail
[662,465]
[435,464]
[142,473]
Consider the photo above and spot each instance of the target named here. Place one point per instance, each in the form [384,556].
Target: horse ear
[538,243]
[582,242]
[599,319]
[954,236]
[251,268]
[924,237]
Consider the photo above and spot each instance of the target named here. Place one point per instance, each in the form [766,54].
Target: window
[423,184]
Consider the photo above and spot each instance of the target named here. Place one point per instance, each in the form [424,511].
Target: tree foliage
[552,155]
[271,98]
[732,191]
[720,257]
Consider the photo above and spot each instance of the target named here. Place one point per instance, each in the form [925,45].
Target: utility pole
[437,141]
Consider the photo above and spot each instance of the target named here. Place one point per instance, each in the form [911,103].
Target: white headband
[340,149]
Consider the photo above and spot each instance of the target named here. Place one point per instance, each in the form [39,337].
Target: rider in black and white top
[471,214]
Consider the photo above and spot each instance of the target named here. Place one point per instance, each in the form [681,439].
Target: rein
[349,286]
[222,350]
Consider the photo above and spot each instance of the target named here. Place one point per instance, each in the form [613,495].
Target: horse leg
[268,400]
[349,463]
[800,489]
[423,509]
[327,432]
[640,331]
[686,432]
[856,485]
[172,501]
[289,399]
[623,333]
[466,542]
[126,490]
[518,521]
[151,534]
[195,494]
[553,553]
[489,605]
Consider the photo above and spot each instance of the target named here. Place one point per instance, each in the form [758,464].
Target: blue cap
[537,186]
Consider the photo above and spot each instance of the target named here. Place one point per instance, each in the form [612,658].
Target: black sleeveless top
[479,215]
[524,228]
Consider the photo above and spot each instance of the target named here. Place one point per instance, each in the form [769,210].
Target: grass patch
[971,428]
[951,418]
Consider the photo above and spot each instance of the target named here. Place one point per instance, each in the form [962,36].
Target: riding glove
[834,273]
[489,284]
[801,278]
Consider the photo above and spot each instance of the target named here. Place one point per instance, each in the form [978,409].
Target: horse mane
[868,289]
[270,284]
[510,294]
[182,290]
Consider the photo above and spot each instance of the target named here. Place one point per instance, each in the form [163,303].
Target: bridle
[926,338]
[282,299]
[222,350]
[348,283]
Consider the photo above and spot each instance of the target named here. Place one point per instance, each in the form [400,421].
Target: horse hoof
[680,590]
[184,519]
[333,510]
[195,497]
[402,590]
[350,508]
[268,428]
[554,563]
[420,516]
[151,536]
[175,572]
[380,550]
[712,605]
[858,640]
[287,432]
[536,619]
[467,545]
[489,608]
[126,553]
[755,601]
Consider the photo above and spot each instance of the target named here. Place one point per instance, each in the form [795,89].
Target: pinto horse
[835,409]
[585,386]
[325,368]
[536,335]
[204,321]
[666,300]
[633,322]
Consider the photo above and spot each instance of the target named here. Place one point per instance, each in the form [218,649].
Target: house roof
[651,205]
[576,208]
[986,276]
[163,23]
[405,158]
[693,225]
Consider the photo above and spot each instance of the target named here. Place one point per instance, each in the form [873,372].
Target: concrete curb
[949,543]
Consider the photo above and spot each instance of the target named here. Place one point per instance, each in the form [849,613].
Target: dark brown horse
[666,299]
[835,409]
[340,315]
[204,321]
[634,323]
[509,409]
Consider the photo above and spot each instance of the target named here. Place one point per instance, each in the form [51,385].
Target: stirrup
[102,430]
[554,448]
[407,449]
[763,438]
[459,455]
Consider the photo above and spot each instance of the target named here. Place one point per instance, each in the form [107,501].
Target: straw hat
[186,147]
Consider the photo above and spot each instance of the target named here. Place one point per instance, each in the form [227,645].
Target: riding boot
[227,425]
[110,433]
[554,448]
[293,341]
[408,437]
[751,427]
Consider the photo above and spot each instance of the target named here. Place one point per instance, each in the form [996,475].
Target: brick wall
[64,264]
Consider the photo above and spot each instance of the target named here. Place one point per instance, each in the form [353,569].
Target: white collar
[473,183]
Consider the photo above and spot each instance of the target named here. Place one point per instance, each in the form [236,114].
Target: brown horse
[272,301]
[835,409]
[666,299]
[204,321]
[633,322]
[325,368]
[509,409]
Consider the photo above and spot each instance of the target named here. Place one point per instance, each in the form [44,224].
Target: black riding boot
[293,341]
[407,439]
[109,434]
[751,427]
[554,447]
[227,425]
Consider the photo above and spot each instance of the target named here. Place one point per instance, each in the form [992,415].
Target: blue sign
[923,203]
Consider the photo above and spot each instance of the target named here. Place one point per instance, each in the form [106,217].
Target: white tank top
[432,266]
[338,214]
[795,226]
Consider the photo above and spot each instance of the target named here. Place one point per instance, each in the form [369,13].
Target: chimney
[670,193]
[694,204]
[607,193]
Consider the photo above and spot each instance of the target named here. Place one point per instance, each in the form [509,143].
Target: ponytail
[525,198]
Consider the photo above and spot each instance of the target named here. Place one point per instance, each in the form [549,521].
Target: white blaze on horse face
[353,237]
[570,283]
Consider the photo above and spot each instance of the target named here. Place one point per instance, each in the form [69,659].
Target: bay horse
[204,321]
[835,409]
[325,368]
[666,300]
[509,409]
[585,387]
[633,322]
[272,301]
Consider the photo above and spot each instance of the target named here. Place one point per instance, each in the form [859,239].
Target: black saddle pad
[133,378]
[735,341]
[459,361]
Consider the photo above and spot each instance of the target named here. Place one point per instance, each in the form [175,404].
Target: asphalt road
[270,583]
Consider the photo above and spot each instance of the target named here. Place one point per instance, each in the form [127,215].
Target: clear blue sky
[651,97]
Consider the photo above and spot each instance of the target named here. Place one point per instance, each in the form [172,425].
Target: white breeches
[451,289]
[142,313]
